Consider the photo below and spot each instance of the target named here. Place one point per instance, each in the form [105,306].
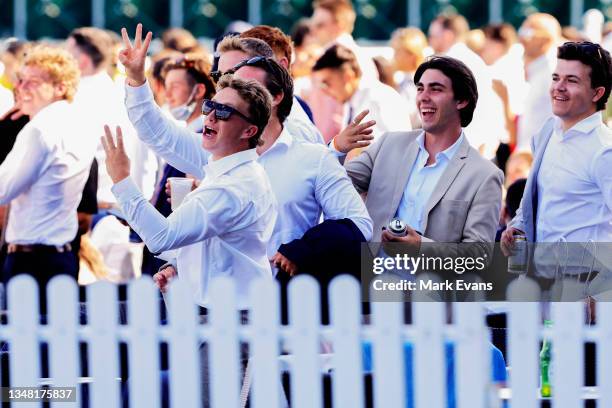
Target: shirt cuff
[332,147]
[135,95]
[126,190]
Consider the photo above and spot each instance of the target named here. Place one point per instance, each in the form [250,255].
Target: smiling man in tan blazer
[431,178]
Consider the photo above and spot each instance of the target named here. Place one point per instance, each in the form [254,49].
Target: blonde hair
[61,67]
[412,40]
[250,46]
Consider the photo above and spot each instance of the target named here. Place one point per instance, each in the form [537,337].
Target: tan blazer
[464,206]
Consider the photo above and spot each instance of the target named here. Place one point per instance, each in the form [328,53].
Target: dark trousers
[42,265]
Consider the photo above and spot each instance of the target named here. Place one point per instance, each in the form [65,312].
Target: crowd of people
[298,148]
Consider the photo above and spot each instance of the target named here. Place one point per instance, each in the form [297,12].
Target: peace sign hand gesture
[133,56]
[117,161]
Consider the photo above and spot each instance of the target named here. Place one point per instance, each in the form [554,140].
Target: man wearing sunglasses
[222,227]
[568,196]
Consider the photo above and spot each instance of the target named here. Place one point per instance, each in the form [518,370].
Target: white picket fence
[303,337]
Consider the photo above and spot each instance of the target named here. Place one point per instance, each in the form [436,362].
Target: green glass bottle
[546,364]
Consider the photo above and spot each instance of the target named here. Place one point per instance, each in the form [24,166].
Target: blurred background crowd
[512,62]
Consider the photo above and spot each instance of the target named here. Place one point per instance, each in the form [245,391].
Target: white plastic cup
[179,188]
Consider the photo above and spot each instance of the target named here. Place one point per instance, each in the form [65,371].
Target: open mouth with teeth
[560,98]
[427,112]
[209,132]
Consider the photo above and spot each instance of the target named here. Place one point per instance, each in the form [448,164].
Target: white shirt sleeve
[210,212]
[23,165]
[179,146]
[337,196]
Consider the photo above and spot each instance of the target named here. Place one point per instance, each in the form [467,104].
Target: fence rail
[354,349]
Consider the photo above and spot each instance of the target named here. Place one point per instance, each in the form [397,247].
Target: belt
[12,248]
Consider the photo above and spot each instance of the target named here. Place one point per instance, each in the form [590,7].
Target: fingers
[126,39]
[363,126]
[360,117]
[147,41]
[120,139]
[138,36]
[108,142]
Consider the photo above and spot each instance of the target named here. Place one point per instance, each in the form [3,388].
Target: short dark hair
[95,43]
[258,99]
[595,57]
[514,196]
[502,33]
[462,79]
[455,23]
[338,56]
[277,80]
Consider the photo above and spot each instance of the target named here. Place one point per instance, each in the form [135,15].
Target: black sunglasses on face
[222,112]
[216,75]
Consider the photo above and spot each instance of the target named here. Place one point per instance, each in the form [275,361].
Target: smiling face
[436,102]
[573,99]
[225,137]
[36,90]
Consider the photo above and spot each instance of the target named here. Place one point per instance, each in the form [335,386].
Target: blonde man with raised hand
[44,174]
[222,227]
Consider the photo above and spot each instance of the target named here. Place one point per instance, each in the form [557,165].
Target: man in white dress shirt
[338,73]
[44,174]
[488,129]
[306,178]
[233,50]
[539,34]
[227,221]
[568,196]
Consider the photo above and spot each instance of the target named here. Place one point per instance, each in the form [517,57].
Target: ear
[599,92]
[461,104]
[249,132]
[284,62]
[200,91]
[276,100]
[59,90]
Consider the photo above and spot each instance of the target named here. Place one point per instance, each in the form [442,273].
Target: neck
[439,141]
[568,123]
[270,134]
[195,114]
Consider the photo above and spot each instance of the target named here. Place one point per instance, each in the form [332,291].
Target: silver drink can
[517,262]
[397,227]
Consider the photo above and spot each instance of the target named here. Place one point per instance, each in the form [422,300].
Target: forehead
[229,96]
[327,73]
[176,75]
[256,73]
[572,67]
[435,27]
[437,76]
[33,71]
[229,59]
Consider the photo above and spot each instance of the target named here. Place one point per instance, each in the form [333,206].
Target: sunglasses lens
[207,107]
[223,113]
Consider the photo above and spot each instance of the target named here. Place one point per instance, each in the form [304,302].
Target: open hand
[355,135]
[117,161]
[133,56]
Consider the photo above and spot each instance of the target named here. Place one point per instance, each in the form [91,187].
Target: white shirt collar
[585,126]
[219,167]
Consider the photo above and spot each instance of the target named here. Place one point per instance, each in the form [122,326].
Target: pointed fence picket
[304,338]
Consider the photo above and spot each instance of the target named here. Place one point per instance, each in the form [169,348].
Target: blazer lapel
[447,178]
